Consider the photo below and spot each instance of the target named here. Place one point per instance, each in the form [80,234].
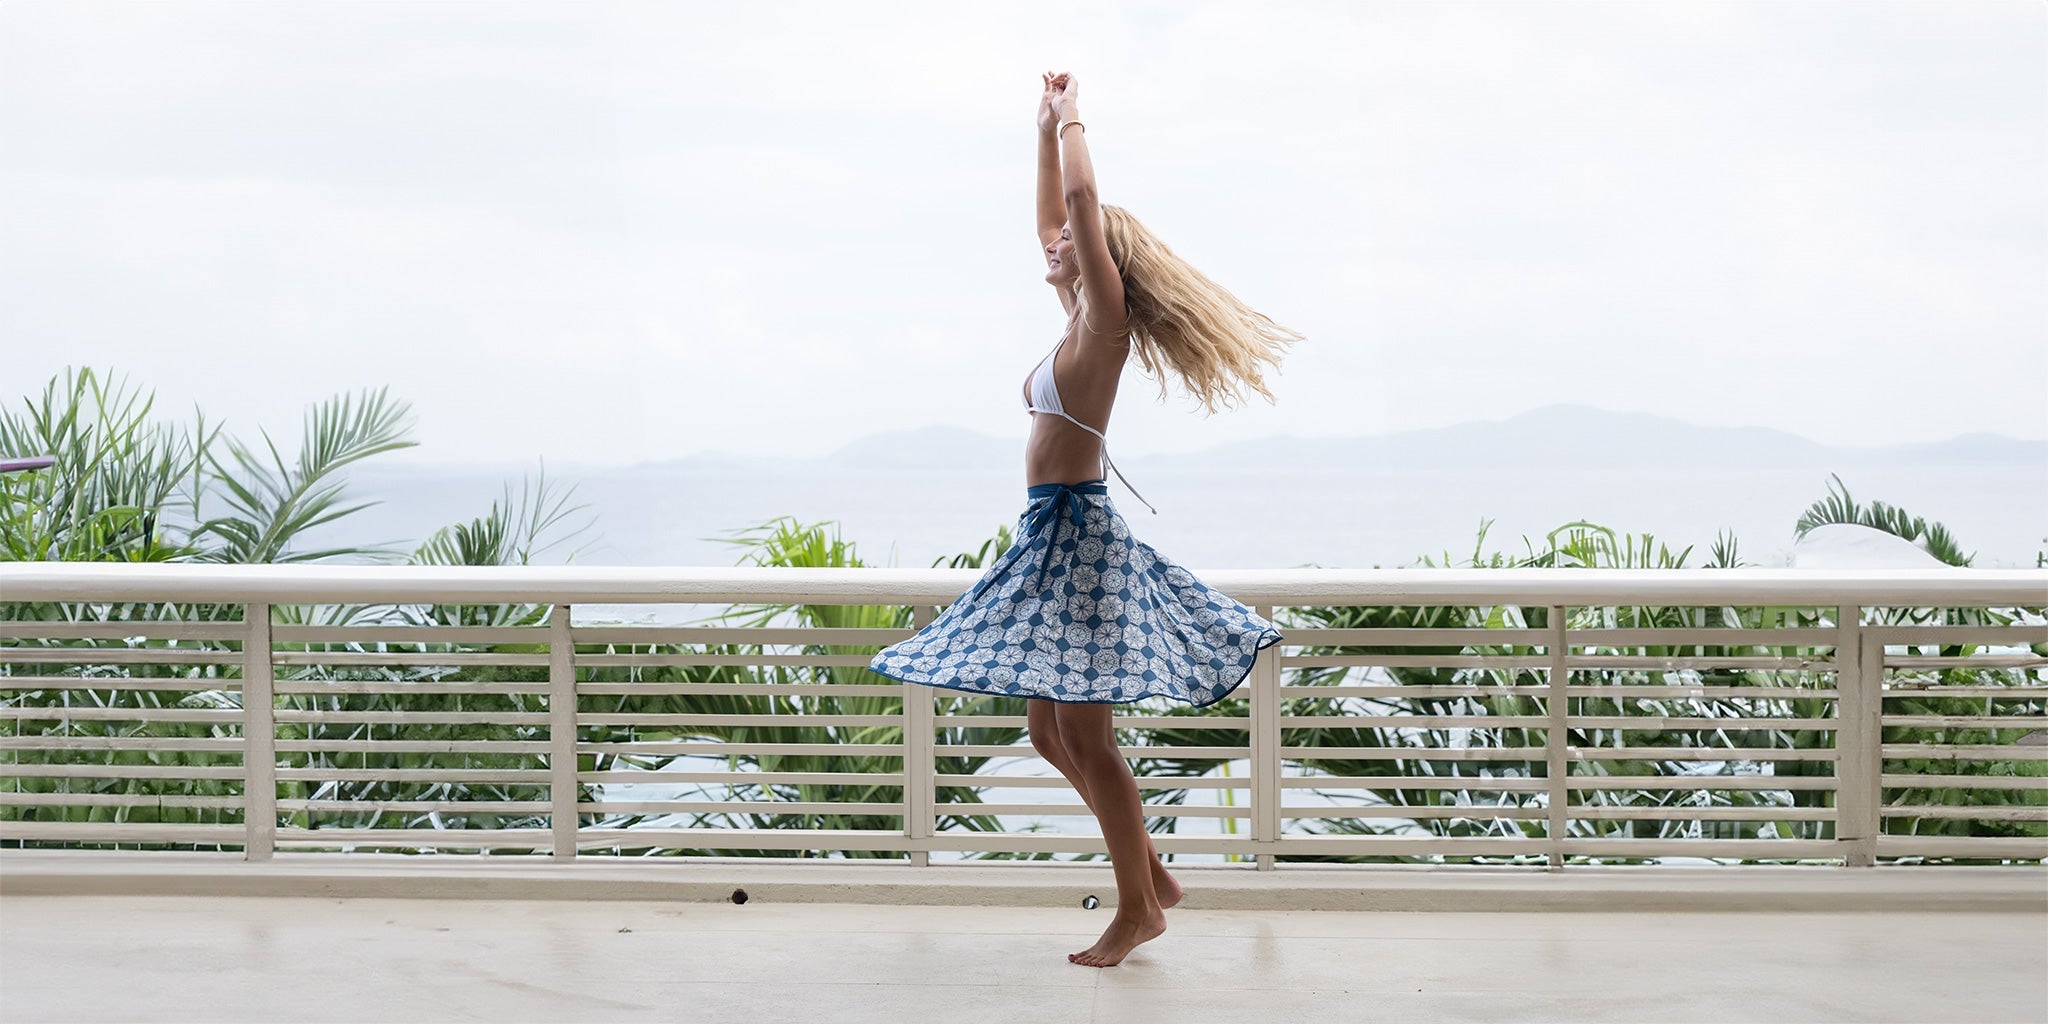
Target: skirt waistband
[1096,485]
[1065,503]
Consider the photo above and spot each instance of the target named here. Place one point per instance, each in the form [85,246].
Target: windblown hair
[1177,317]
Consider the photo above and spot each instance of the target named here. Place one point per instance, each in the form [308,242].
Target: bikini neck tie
[1065,500]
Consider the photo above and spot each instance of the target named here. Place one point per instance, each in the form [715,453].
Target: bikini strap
[1105,453]
[1127,484]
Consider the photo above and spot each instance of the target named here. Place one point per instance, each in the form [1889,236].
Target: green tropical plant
[119,481]
[126,487]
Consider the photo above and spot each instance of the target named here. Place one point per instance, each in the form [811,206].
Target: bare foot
[1123,935]
[1167,886]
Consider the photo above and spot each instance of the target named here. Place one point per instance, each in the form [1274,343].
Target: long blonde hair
[1177,317]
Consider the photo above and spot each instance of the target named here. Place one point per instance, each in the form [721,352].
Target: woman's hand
[1049,103]
[1065,90]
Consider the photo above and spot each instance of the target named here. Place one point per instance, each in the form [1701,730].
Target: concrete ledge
[1034,884]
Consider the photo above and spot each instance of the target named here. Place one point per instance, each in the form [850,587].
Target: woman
[1077,615]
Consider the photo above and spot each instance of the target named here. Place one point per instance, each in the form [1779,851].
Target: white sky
[606,232]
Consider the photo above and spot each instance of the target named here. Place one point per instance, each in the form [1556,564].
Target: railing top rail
[330,584]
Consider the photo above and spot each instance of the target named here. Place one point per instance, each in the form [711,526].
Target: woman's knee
[1089,754]
[1044,728]
[1086,732]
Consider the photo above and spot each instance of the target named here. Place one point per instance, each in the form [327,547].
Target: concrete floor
[187,958]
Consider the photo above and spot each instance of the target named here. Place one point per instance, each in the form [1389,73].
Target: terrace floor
[129,953]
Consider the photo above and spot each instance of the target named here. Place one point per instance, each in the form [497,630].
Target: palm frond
[271,501]
[512,532]
[1840,507]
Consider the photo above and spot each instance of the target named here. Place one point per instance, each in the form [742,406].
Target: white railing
[1798,675]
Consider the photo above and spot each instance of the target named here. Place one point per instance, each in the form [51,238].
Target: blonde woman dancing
[1078,615]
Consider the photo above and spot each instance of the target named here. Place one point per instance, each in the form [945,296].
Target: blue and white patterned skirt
[1078,610]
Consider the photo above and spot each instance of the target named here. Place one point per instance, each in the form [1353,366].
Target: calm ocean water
[1275,520]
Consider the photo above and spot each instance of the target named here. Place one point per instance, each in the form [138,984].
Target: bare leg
[1086,730]
[1045,738]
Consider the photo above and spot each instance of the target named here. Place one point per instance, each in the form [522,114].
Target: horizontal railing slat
[811,691]
[1897,689]
[410,717]
[403,686]
[21,770]
[18,799]
[766,721]
[73,713]
[413,806]
[950,781]
[126,629]
[477,776]
[666,778]
[116,656]
[1979,812]
[469,838]
[435,659]
[121,832]
[2003,847]
[1965,781]
[613,807]
[114,683]
[1966,751]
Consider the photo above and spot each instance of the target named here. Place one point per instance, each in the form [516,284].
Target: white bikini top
[1043,395]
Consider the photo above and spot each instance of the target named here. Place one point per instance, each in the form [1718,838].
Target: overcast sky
[606,233]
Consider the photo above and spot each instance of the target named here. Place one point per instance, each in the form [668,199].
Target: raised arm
[1052,205]
[1101,285]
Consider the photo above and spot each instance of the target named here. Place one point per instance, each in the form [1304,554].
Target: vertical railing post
[1265,743]
[1557,738]
[920,759]
[1859,670]
[562,790]
[259,736]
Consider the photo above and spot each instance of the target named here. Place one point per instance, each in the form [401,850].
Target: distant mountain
[1977,447]
[927,447]
[894,451]
[1564,434]
[1561,435]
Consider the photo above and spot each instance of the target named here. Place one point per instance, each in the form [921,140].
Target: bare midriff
[1058,451]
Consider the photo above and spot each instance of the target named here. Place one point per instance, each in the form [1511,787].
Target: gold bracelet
[1061,131]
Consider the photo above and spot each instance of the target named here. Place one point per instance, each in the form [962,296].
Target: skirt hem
[1267,639]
